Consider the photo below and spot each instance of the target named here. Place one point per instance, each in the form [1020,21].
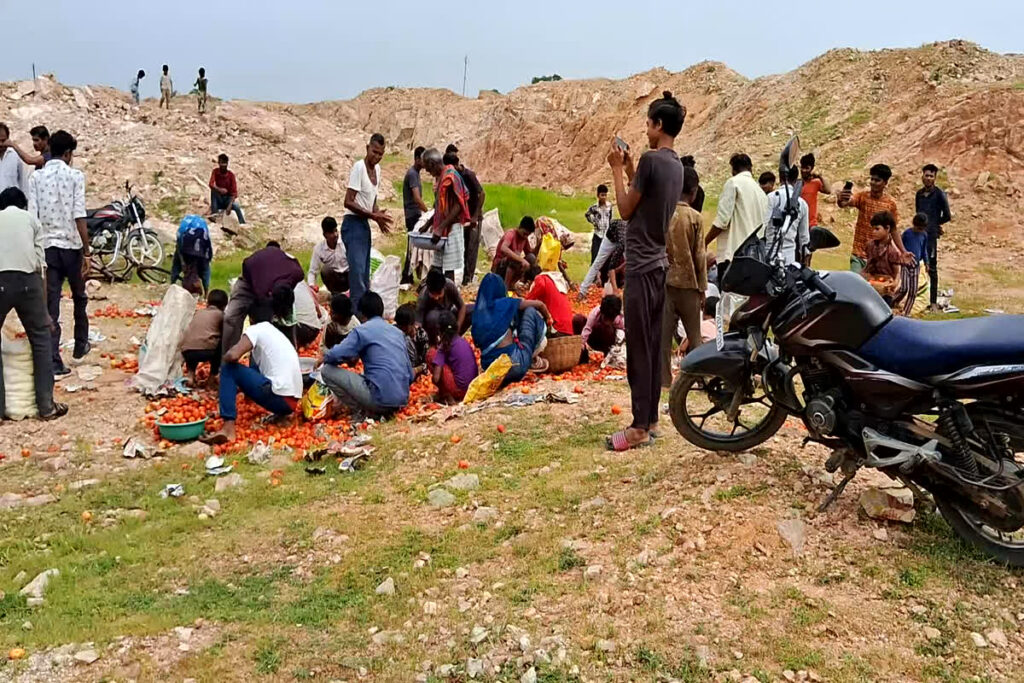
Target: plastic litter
[172,491]
[134,449]
[88,373]
[260,454]
[353,463]
[215,466]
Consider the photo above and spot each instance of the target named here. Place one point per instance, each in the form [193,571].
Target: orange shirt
[867,207]
[809,194]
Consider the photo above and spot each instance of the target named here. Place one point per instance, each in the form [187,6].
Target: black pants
[410,223]
[933,267]
[471,244]
[644,308]
[595,246]
[61,265]
[24,293]
[211,356]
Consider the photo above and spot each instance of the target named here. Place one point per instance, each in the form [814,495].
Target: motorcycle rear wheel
[768,419]
[996,544]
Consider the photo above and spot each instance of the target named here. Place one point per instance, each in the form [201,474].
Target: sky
[312,50]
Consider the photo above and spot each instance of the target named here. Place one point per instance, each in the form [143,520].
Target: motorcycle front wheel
[144,248]
[699,410]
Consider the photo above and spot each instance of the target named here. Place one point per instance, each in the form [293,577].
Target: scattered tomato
[501,429]
[463,464]
[25,452]
[86,516]
[16,653]
[456,438]
[616,410]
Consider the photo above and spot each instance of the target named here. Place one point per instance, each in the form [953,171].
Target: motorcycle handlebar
[814,280]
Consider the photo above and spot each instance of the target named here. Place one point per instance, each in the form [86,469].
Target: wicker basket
[562,353]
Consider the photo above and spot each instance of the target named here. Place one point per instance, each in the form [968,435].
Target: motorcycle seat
[922,349]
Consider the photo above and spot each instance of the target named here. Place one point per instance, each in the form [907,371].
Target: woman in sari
[502,324]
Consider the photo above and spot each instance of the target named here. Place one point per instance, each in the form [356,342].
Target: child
[200,86]
[166,87]
[915,241]
[603,322]
[884,260]
[202,338]
[453,363]
[513,255]
[416,341]
[600,216]
[342,321]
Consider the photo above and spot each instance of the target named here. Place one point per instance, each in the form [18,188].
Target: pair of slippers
[619,443]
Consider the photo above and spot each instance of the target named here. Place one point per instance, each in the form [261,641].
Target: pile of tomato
[127,363]
[115,311]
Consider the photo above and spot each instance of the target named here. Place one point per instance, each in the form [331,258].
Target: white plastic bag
[491,232]
[159,355]
[19,388]
[385,282]
[376,258]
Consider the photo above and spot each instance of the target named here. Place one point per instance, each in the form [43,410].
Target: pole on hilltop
[465,69]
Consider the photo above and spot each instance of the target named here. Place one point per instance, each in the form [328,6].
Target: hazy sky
[307,50]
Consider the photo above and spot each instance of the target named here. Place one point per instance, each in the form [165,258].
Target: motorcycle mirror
[790,155]
[746,276]
[822,238]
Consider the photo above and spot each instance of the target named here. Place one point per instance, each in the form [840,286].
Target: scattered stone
[474,667]
[794,532]
[748,459]
[931,633]
[461,572]
[593,504]
[19,578]
[41,499]
[55,464]
[604,645]
[445,670]
[478,634]
[464,482]
[82,483]
[593,571]
[37,586]
[529,677]
[484,515]
[213,504]
[35,602]
[388,637]
[997,638]
[86,656]
[880,534]
[893,504]
[386,587]
[26,626]
[11,500]
[228,481]
[429,608]
[978,640]
[195,450]
[918,609]
[440,498]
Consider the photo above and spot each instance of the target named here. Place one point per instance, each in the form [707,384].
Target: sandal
[618,442]
[59,410]
[215,439]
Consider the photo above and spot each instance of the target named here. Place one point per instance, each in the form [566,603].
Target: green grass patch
[740,491]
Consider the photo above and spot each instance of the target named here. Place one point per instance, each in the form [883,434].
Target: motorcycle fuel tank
[849,320]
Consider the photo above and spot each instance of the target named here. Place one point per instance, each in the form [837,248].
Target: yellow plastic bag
[488,381]
[318,403]
[549,253]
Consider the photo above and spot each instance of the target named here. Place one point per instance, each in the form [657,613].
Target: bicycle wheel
[154,275]
[144,248]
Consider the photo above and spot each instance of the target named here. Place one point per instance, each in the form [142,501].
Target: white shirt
[56,196]
[276,358]
[741,209]
[327,259]
[307,311]
[165,82]
[366,191]
[792,234]
[12,171]
[22,239]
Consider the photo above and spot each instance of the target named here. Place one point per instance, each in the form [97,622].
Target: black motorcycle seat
[920,349]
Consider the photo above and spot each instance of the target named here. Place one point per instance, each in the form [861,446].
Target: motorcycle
[937,405]
[120,239]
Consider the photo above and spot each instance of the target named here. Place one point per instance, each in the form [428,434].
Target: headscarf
[451,180]
[192,221]
[493,313]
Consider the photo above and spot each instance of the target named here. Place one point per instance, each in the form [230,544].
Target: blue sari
[493,315]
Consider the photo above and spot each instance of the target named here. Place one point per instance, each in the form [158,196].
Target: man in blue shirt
[932,202]
[384,385]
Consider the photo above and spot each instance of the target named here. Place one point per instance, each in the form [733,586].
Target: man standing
[451,202]
[600,216]
[224,190]
[741,210]
[22,261]
[40,153]
[932,202]
[814,184]
[12,171]
[790,221]
[875,200]
[135,85]
[471,230]
[360,209]
[412,200]
[166,88]
[655,187]
[251,294]
[56,196]
[329,260]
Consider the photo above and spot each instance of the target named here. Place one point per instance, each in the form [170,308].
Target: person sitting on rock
[224,191]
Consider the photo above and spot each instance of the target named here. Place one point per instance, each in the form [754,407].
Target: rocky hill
[951,103]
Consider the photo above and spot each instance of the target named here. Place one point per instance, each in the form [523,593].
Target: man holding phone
[875,200]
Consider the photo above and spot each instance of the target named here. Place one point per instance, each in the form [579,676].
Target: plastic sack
[385,281]
[549,254]
[19,388]
[488,381]
[491,232]
[318,403]
[376,258]
[616,356]
[160,355]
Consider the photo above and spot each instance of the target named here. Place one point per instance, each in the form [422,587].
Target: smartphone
[848,186]
[621,144]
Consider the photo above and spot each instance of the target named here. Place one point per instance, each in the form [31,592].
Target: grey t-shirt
[412,180]
[659,179]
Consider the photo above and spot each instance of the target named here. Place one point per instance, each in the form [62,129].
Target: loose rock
[386,587]
[440,498]
[893,504]
[464,482]
[978,640]
[483,515]
[997,638]
[228,481]
[793,532]
[37,586]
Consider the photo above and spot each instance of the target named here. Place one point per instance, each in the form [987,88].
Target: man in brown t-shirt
[202,341]
[655,187]
[868,204]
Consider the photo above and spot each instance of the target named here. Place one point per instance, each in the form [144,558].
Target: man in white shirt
[360,209]
[329,259]
[273,378]
[56,197]
[793,227]
[12,171]
[22,262]
[741,210]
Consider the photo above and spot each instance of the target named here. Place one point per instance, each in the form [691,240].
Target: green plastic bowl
[186,431]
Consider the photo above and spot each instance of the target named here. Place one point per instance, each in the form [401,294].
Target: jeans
[355,233]
[196,356]
[604,252]
[61,265]
[24,293]
[178,265]
[530,332]
[235,377]
[222,202]
[595,247]
[933,266]
[351,389]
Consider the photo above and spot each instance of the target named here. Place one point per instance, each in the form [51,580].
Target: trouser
[410,223]
[644,308]
[351,389]
[240,304]
[471,243]
[196,356]
[235,378]
[24,293]
[595,247]
[857,263]
[335,282]
[512,271]
[604,252]
[202,267]
[165,98]
[355,233]
[222,202]
[448,389]
[680,304]
[530,331]
[933,267]
[61,265]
